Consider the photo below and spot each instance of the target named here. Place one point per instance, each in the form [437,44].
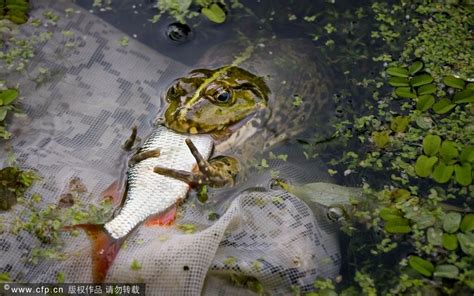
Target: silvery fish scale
[151,193]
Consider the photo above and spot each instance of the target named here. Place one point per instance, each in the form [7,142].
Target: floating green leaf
[400,123]
[424,102]
[397,225]
[135,265]
[431,144]
[60,277]
[421,80]
[465,96]
[426,89]
[7,96]
[424,122]
[415,67]
[421,265]
[214,13]
[467,223]
[5,277]
[424,220]
[381,139]
[390,214]
[470,86]
[443,106]
[398,81]
[424,165]
[404,92]
[454,82]
[463,174]
[467,155]
[446,271]
[3,113]
[450,242]
[448,150]
[451,222]
[466,241]
[397,71]
[442,173]
[434,236]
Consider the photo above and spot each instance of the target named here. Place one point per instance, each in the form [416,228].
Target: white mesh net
[75,124]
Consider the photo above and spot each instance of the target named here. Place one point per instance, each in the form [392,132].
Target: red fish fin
[104,249]
[163,219]
[114,192]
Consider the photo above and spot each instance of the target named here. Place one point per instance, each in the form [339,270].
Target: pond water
[109,68]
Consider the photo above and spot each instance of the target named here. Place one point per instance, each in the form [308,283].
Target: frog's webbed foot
[217,172]
[130,142]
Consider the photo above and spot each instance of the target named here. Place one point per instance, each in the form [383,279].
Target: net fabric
[74,126]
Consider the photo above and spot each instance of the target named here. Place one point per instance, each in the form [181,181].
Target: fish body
[150,193]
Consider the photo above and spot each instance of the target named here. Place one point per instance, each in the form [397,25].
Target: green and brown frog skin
[222,100]
[214,102]
[289,67]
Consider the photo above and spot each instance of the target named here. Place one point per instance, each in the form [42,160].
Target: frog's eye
[223,96]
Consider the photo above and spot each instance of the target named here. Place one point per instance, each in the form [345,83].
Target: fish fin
[104,249]
[165,218]
[113,192]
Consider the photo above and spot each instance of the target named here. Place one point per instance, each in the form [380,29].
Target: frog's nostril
[178,32]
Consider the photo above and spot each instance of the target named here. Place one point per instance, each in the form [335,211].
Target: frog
[292,70]
[249,106]
[214,102]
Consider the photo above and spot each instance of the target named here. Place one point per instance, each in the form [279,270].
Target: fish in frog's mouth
[203,106]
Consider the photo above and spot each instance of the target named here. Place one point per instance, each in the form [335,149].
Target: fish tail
[104,249]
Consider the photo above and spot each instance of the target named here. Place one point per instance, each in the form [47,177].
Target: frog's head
[211,101]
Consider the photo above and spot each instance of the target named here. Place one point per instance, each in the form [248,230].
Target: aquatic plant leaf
[431,144]
[426,89]
[446,271]
[424,220]
[448,151]
[390,214]
[415,67]
[405,92]
[421,265]
[421,80]
[397,225]
[466,241]
[467,155]
[451,222]
[470,86]
[400,195]
[424,102]
[424,165]
[398,81]
[135,265]
[381,139]
[434,236]
[443,106]
[463,174]
[397,71]
[442,173]
[450,242]
[467,223]
[454,82]
[465,96]
[400,123]
[214,13]
[3,113]
[7,96]
[424,122]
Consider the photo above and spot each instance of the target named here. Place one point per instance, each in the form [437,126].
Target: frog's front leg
[217,172]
